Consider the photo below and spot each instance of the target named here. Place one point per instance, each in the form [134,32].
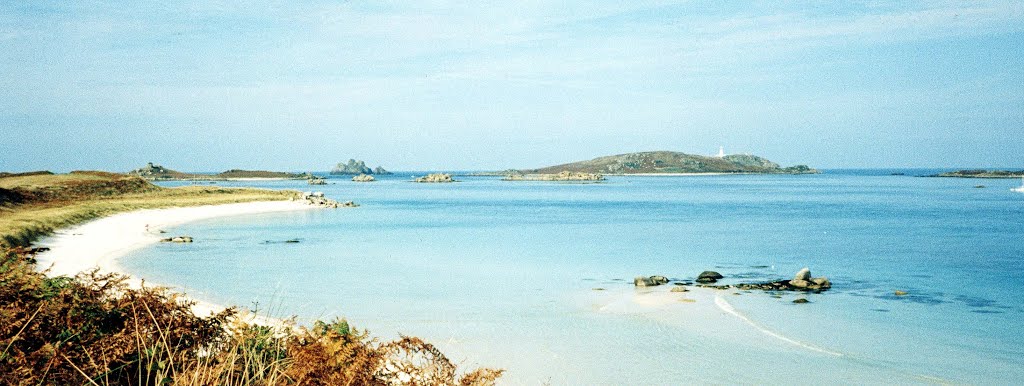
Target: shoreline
[100,243]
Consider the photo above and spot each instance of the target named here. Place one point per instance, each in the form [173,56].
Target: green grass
[57,201]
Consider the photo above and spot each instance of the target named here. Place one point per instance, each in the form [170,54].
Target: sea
[537,277]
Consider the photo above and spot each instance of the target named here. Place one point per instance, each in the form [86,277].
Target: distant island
[670,162]
[355,168]
[981,173]
[159,173]
[563,176]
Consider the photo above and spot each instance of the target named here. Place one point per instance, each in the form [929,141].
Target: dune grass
[38,204]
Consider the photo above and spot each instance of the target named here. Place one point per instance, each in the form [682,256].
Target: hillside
[656,162]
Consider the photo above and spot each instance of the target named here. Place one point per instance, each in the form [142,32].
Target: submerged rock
[801,301]
[177,239]
[900,293]
[679,289]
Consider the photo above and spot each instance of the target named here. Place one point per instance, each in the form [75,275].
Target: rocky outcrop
[708,277]
[802,281]
[355,167]
[318,199]
[352,167]
[314,180]
[363,178]
[564,175]
[649,281]
[434,178]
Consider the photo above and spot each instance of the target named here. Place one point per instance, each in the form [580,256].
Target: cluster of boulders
[363,178]
[314,180]
[802,281]
[435,177]
[177,239]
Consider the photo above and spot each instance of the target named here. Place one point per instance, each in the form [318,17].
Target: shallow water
[503,274]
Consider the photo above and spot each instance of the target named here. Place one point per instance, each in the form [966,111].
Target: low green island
[981,173]
[154,172]
[653,163]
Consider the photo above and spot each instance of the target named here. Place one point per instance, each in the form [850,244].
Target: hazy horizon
[211,86]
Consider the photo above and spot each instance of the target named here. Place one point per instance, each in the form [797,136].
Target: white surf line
[725,306]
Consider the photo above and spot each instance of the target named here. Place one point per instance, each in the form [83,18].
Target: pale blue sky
[208,85]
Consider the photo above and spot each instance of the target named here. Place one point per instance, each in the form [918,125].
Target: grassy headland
[36,204]
[94,329]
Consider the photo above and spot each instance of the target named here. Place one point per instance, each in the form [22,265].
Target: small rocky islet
[356,167]
[435,178]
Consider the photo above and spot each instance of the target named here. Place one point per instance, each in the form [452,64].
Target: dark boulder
[708,277]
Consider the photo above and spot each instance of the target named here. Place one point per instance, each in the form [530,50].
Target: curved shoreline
[100,243]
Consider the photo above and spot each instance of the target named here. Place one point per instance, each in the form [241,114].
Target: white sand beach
[100,243]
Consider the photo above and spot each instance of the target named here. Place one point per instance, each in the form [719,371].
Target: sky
[479,85]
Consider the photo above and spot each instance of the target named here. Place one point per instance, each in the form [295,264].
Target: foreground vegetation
[94,329]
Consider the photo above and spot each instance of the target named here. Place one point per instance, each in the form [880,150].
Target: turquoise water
[502,274]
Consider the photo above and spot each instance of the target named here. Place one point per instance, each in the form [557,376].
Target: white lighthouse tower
[721,151]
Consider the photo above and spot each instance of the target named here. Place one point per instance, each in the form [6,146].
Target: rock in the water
[801,301]
[352,167]
[178,239]
[708,277]
[679,289]
[900,293]
[436,177]
[803,274]
[822,282]
[363,178]
[649,281]
[798,283]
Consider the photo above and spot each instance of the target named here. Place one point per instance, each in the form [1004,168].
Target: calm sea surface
[502,274]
